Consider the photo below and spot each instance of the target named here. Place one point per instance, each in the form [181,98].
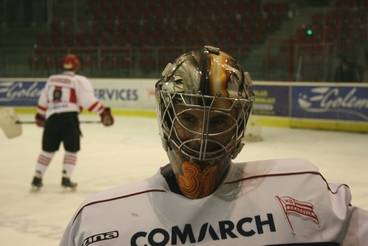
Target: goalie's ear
[8,119]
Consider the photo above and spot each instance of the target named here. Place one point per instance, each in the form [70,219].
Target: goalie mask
[204,101]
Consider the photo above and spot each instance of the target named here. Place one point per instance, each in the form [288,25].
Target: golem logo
[11,91]
[100,237]
[223,230]
[325,99]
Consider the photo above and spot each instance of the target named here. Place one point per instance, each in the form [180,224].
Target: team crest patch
[301,208]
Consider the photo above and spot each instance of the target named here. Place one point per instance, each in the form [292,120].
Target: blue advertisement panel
[20,93]
[330,102]
[271,100]
[129,93]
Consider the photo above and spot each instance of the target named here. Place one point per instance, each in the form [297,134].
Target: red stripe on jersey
[288,174]
[100,109]
[93,106]
[73,96]
[41,108]
[116,198]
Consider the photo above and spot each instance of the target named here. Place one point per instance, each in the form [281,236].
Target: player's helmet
[198,81]
[71,62]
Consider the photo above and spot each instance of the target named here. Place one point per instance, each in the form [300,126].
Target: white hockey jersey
[67,92]
[273,202]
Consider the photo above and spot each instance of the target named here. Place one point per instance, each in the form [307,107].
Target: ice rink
[131,150]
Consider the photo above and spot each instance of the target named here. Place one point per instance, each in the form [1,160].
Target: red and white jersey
[273,202]
[67,92]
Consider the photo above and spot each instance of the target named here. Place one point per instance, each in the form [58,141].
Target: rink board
[332,106]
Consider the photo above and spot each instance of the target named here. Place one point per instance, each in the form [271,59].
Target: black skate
[36,183]
[68,184]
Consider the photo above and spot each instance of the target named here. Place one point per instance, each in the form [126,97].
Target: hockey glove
[40,120]
[106,117]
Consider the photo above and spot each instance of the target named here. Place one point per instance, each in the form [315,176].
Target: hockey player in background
[60,102]
[201,197]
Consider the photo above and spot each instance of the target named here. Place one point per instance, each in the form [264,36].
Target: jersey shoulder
[282,165]
[81,77]
[273,167]
[83,82]
[288,165]
[152,184]
[284,171]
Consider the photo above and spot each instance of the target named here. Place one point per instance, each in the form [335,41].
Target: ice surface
[131,150]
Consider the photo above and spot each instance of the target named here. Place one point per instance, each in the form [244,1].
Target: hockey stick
[12,126]
[34,122]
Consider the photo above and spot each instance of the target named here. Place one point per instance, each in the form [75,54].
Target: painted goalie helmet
[204,102]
